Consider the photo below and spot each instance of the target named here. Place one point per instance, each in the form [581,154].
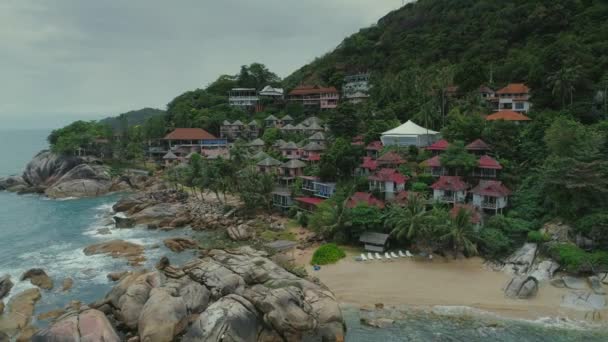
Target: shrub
[494,243]
[575,260]
[538,237]
[419,187]
[327,254]
[425,178]
[515,229]
[594,226]
[303,219]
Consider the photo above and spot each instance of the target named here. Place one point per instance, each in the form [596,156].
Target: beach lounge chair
[394,255]
[401,254]
[363,257]
[408,254]
[378,256]
[386,255]
[370,256]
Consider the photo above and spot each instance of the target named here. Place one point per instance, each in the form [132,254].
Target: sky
[65,60]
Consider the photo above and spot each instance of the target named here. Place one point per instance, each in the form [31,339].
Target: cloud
[67,58]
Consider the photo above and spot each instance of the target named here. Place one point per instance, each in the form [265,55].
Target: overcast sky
[72,59]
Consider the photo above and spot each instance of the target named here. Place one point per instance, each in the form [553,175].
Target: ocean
[51,234]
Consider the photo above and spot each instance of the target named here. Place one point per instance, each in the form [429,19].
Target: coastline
[426,285]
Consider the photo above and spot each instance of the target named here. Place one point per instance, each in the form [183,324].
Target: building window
[519,105]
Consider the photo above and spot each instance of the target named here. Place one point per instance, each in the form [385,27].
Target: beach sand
[440,282]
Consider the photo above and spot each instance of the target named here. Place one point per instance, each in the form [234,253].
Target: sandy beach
[439,282]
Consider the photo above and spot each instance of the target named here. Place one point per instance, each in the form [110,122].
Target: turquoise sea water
[37,232]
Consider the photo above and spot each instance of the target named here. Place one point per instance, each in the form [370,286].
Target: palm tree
[407,221]
[562,83]
[461,233]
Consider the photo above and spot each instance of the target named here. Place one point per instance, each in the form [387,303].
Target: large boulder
[521,260]
[46,168]
[88,325]
[38,277]
[522,287]
[19,312]
[131,303]
[232,318]
[124,222]
[179,244]
[583,300]
[159,214]
[596,285]
[12,182]
[5,285]
[241,232]
[83,180]
[544,270]
[163,317]
[118,249]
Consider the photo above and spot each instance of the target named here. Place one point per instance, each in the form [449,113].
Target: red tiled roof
[314,157]
[475,215]
[486,89]
[491,188]
[310,90]
[364,197]
[507,115]
[478,145]
[452,183]
[440,145]
[433,162]
[390,158]
[389,175]
[189,134]
[369,163]
[310,200]
[514,88]
[487,162]
[374,146]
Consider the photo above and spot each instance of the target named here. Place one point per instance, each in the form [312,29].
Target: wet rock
[124,222]
[26,334]
[596,285]
[181,221]
[131,294]
[116,276]
[118,249]
[84,180]
[126,204]
[179,244]
[104,231]
[1,307]
[163,317]
[583,300]
[5,285]
[88,325]
[19,312]
[53,314]
[67,284]
[160,214]
[522,287]
[239,233]
[378,322]
[232,318]
[11,182]
[39,278]
[520,261]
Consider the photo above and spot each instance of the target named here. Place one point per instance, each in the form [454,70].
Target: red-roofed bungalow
[390,159]
[491,194]
[308,203]
[368,166]
[439,146]
[364,198]
[450,189]
[434,167]
[194,140]
[507,115]
[514,97]
[486,167]
[324,98]
[388,181]
[373,149]
[478,146]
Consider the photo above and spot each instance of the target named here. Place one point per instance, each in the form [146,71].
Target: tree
[461,233]
[563,81]
[458,158]
[340,160]
[255,190]
[463,127]
[344,121]
[363,218]
[406,222]
[271,135]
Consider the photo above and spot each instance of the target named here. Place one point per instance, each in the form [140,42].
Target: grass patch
[327,254]
[292,224]
[269,235]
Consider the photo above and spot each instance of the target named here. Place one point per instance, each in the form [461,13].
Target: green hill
[133,118]
[473,42]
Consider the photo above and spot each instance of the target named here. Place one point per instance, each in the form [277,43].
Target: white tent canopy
[409,134]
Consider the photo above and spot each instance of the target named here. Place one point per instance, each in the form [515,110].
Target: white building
[450,189]
[409,134]
[270,92]
[356,88]
[514,97]
[243,97]
[491,194]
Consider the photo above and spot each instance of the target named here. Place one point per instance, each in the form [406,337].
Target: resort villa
[243,97]
[491,194]
[356,88]
[387,181]
[450,189]
[315,96]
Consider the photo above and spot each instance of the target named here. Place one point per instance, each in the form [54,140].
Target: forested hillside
[131,118]
[558,47]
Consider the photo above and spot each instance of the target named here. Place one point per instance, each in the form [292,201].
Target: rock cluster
[132,252]
[157,209]
[5,285]
[522,287]
[19,313]
[38,277]
[237,295]
[84,325]
[241,232]
[179,244]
